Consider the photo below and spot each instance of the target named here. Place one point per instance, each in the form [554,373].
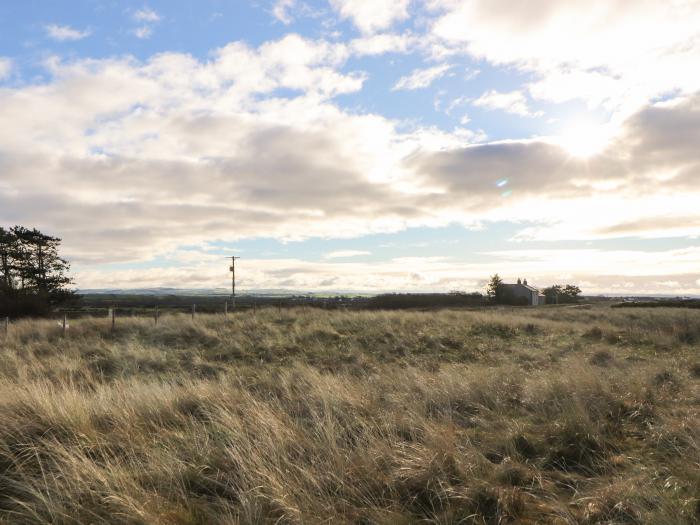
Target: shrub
[602,358]
[493,329]
[695,370]
[594,333]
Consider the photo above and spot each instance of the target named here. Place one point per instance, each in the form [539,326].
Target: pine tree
[8,258]
[33,277]
[494,288]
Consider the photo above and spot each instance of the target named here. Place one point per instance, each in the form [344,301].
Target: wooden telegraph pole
[232,269]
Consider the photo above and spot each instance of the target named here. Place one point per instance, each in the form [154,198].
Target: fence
[115,308]
[113,314]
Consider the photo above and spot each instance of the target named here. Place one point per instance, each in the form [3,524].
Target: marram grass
[553,415]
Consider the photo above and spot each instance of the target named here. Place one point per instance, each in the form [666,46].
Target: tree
[552,294]
[494,290]
[33,277]
[571,292]
[558,294]
[8,256]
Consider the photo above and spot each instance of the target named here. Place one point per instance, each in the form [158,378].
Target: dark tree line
[33,277]
[397,301]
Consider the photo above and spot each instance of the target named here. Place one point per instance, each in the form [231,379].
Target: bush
[695,370]
[602,358]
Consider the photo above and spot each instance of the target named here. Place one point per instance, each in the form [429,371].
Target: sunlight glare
[584,139]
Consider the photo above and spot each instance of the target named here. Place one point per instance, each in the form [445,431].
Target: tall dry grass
[503,416]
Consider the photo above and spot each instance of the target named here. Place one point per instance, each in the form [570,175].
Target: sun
[583,138]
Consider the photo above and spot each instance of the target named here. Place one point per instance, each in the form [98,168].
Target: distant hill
[190,292]
[183,291]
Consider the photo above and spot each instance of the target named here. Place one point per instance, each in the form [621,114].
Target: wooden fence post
[194,310]
[7,326]
[114,311]
[156,315]
[225,307]
[64,324]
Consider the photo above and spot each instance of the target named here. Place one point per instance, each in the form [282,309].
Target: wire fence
[114,313]
[115,308]
[150,311]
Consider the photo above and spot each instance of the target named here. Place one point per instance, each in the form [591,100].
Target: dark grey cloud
[655,151]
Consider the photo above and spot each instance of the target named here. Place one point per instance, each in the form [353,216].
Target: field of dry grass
[550,415]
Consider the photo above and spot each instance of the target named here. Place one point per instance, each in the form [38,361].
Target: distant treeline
[209,303]
[668,303]
[215,303]
[135,303]
[396,301]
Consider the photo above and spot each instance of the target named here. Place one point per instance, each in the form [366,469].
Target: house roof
[526,286]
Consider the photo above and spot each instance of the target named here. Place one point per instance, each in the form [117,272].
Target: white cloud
[147,18]
[456,103]
[127,160]
[342,254]
[471,73]
[65,33]
[627,263]
[146,15]
[382,43]
[5,67]
[594,270]
[619,54]
[143,32]
[198,133]
[421,78]
[372,15]
[668,284]
[281,11]
[600,89]
[512,102]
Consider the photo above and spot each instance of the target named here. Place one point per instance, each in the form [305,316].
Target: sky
[357,145]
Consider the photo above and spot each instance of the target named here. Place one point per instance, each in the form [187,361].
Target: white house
[521,289]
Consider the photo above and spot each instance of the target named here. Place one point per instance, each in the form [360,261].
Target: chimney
[525,282]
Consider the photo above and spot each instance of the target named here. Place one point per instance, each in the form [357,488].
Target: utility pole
[232,269]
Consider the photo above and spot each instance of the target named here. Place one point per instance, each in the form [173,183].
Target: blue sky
[355,144]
